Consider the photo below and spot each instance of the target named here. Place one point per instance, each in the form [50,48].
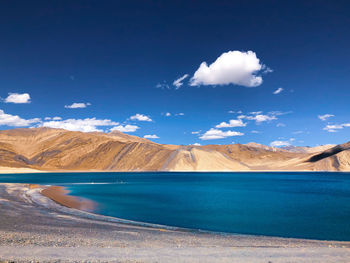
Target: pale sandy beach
[33,227]
[17,170]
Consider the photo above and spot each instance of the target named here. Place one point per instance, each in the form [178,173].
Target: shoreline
[24,170]
[60,195]
[33,227]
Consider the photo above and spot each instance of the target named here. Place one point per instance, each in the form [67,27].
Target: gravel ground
[42,231]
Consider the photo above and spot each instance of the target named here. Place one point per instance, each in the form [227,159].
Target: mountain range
[61,150]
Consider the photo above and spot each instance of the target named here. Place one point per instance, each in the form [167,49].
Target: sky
[179,72]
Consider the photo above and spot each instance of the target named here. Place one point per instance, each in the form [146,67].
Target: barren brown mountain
[61,150]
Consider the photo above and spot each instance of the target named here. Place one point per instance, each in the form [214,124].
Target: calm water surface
[300,205]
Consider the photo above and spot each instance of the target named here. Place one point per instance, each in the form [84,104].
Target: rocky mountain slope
[62,150]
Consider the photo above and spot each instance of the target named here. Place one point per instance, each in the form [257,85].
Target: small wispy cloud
[52,118]
[168,114]
[232,112]
[254,131]
[280,125]
[259,118]
[151,136]
[336,127]
[163,85]
[179,82]
[77,105]
[280,143]
[140,117]
[325,117]
[17,98]
[278,91]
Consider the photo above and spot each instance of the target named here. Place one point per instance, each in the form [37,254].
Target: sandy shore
[33,227]
[60,195]
[16,170]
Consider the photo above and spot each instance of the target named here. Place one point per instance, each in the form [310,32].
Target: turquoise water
[300,205]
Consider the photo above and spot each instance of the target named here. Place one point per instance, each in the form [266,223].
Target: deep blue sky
[113,54]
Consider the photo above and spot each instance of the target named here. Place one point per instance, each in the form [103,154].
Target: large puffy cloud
[231,124]
[233,67]
[140,117]
[84,125]
[15,120]
[126,128]
[213,134]
[77,105]
[18,98]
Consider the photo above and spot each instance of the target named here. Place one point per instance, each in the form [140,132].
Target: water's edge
[35,196]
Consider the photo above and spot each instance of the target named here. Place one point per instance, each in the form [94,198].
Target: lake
[313,205]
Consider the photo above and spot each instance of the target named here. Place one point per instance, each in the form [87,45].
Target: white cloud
[163,85]
[280,125]
[140,117]
[77,105]
[231,124]
[178,82]
[255,112]
[298,132]
[325,117]
[168,114]
[261,118]
[233,67]
[280,143]
[266,69]
[84,125]
[278,91]
[278,113]
[151,136]
[18,98]
[196,132]
[126,128]
[231,111]
[15,120]
[196,144]
[336,127]
[52,118]
[255,131]
[213,134]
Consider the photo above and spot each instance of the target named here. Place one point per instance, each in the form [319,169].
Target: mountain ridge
[61,150]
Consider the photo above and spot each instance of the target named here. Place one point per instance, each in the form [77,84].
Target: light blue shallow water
[300,205]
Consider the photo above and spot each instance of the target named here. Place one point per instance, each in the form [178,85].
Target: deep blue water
[300,205]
